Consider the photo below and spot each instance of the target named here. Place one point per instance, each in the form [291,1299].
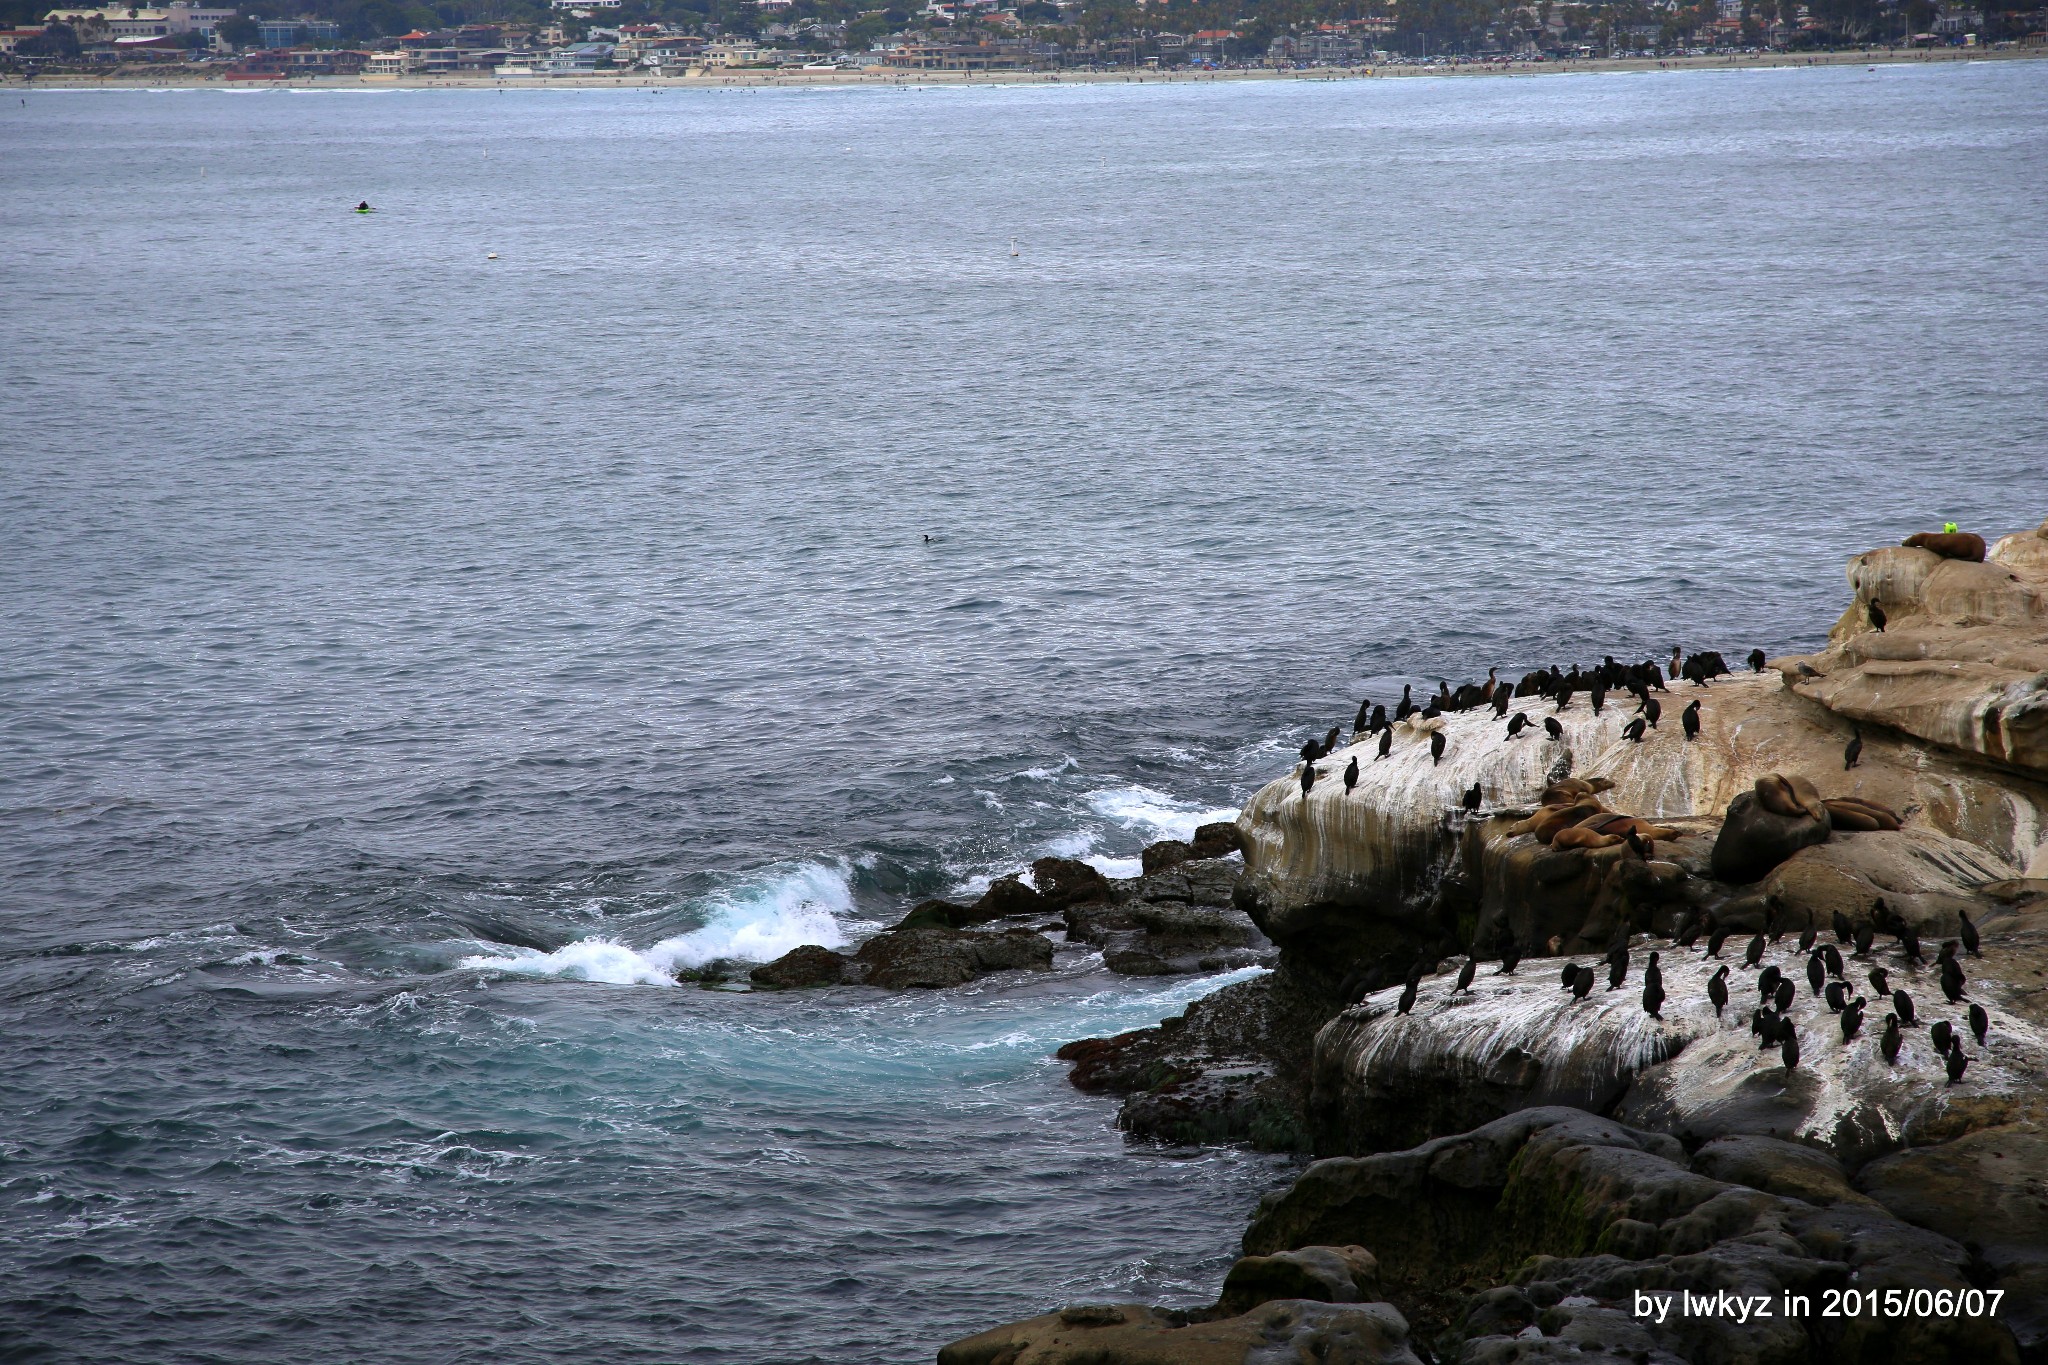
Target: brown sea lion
[1949,544]
[1547,822]
[1854,813]
[1566,790]
[1790,796]
[1578,837]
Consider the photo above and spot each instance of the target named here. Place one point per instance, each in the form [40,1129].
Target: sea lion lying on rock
[1565,791]
[1578,836]
[1545,823]
[1852,813]
[1949,544]
[1790,795]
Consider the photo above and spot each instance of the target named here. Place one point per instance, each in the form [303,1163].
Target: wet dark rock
[1754,840]
[1218,839]
[1989,1191]
[1348,1274]
[1576,1214]
[1275,1333]
[938,914]
[933,957]
[809,965]
[1065,881]
[1167,853]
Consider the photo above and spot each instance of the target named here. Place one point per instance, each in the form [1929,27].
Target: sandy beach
[880,76]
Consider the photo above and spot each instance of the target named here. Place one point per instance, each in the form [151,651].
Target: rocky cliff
[1528,1145]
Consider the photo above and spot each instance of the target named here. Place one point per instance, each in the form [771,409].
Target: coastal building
[387,66]
[292,32]
[729,52]
[1000,55]
[579,57]
[11,38]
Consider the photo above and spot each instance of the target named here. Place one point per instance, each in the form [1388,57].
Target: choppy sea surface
[826,499]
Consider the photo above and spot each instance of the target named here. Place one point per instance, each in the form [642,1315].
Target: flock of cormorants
[1639,680]
[1771,1020]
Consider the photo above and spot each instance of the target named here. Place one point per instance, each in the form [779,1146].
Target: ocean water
[827,499]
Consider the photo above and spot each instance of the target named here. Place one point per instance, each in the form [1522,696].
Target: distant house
[996,56]
[579,57]
[729,52]
[292,32]
[386,66]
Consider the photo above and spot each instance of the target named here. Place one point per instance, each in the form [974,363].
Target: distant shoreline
[879,77]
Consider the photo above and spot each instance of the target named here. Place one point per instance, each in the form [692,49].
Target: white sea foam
[804,903]
[1115,867]
[1137,807]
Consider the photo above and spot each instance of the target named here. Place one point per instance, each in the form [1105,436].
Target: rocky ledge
[1179,917]
[1684,989]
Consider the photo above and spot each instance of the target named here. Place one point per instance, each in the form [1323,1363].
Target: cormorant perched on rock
[1941,1034]
[1406,708]
[1806,939]
[1677,658]
[1909,941]
[1852,1021]
[1653,972]
[1510,954]
[1980,1022]
[1690,932]
[1583,987]
[1844,931]
[1651,709]
[1379,718]
[1715,940]
[1877,617]
[1891,1042]
[1970,939]
[1902,1004]
[1689,720]
[1838,996]
[1754,953]
[1599,696]
[1816,971]
[1864,937]
[1364,716]
[1880,980]
[1767,981]
[1653,999]
[1308,779]
[1467,972]
[1756,661]
[1351,774]
[1853,750]
[1832,958]
[1717,990]
[1310,751]
[1569,976]
[1957,1063]
[1503,697]
[1436,747]
[1633,731]
[1330,740]
[1407,1001]
[1788,1051]
[1473,796]
[1617,969]
[1551,726]
[1518,724]
[1386,743]
[1783,996]
[1951,973]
